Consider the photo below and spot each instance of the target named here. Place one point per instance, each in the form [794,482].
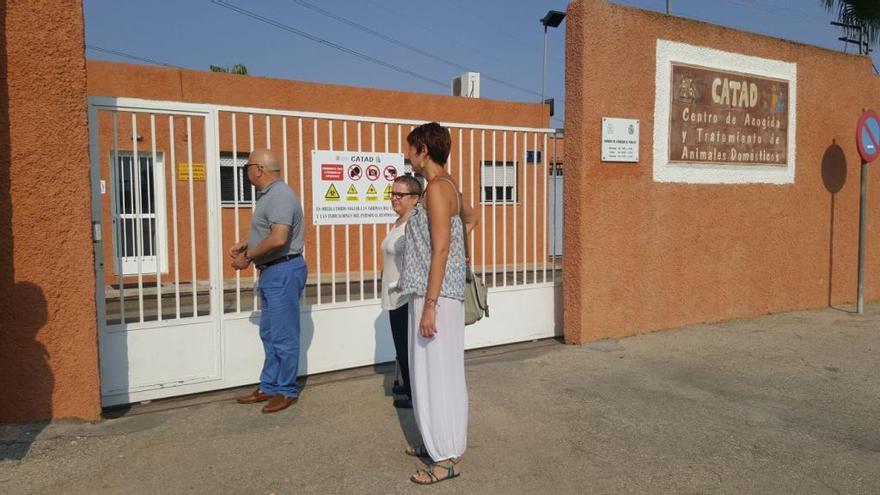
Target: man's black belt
[278,260]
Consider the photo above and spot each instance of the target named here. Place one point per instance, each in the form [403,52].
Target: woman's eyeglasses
[398,195]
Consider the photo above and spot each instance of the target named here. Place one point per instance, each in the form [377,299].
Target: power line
[322,41]
[129,56]
[802,16]
[471,48]
[490,22]
[407,46]
[782,11]
[789,13]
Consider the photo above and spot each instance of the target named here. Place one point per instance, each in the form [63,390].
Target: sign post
[868,141]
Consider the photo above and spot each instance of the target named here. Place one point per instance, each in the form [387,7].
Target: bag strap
[455,189]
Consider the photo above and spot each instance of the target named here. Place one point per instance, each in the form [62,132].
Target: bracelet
[430,302]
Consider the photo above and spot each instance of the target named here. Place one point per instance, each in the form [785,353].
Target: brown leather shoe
[279,403]
[254,397]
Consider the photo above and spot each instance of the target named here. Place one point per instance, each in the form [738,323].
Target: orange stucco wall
[123,80]
[48,344]
[115,79]
[643,255]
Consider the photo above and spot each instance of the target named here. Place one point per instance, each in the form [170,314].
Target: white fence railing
[343,260]
[502,170]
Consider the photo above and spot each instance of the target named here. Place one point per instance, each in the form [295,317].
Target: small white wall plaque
[620,140]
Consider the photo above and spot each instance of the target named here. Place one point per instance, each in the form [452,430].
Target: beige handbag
[475,302]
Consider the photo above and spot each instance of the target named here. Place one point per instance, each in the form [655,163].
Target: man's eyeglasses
[399,195]
[246,165]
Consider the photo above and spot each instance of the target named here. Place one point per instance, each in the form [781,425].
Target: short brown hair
[433,137]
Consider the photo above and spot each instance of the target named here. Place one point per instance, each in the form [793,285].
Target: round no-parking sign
[868,135]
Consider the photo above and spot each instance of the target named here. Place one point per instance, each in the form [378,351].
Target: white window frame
[226,160]
[127,266]
[505,174]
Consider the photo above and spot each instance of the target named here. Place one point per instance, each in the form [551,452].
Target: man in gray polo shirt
[275,245]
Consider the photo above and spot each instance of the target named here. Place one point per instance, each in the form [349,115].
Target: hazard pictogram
[386,194]
[390,173]
[372,195]
[332,194]
[351,194]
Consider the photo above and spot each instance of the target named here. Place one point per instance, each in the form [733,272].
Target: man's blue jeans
[280,287]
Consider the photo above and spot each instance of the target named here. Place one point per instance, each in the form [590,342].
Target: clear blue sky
[502,39]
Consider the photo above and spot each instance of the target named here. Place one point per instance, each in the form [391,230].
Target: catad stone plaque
[727,118]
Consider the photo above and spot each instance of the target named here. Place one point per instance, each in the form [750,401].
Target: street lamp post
[552,19]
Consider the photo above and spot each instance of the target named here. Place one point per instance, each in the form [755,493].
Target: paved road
[781,404]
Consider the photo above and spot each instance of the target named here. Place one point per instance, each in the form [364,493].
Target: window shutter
[500,176]
[229,168]
[227,186]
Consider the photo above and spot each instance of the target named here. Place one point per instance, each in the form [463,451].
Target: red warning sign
[331,171]
[355,172]
[373,172]
[390,173]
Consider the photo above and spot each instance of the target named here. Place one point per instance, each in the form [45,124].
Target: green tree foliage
[865,14]
[239,69]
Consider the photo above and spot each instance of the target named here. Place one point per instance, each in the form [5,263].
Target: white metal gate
[159,300]
[557,208]
[169,200]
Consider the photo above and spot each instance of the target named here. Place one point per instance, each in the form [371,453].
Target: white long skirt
[439,392]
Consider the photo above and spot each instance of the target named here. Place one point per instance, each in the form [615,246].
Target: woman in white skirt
[434,274]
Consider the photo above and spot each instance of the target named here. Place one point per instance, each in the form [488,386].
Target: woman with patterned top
[434,275]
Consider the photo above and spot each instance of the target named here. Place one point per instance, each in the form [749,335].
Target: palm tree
[862,18]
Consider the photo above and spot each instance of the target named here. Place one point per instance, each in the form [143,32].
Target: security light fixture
[553,18]
[551,102]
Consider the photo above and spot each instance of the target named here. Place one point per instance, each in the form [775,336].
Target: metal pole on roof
[553,19]
[667,7]
[543,65]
